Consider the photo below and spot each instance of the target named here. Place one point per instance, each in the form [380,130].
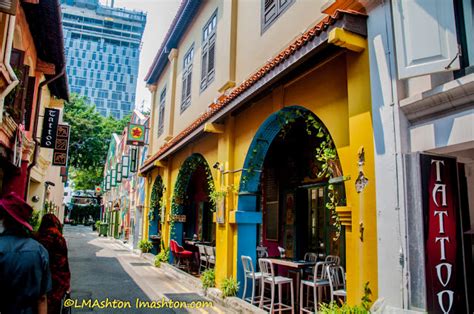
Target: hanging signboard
[50,126]
[439,188]
[136,134]
[61,146]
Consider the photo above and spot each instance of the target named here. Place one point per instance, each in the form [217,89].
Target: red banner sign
[440,207]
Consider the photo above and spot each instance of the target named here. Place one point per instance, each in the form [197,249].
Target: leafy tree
[89,140]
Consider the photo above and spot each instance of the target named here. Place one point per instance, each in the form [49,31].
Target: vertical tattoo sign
[440,201]
[61,146]
[50,126]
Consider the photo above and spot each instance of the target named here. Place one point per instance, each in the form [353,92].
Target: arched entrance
[285,190]
[191,206]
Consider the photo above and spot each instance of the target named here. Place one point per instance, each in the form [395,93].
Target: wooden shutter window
[425,37]
[30,91]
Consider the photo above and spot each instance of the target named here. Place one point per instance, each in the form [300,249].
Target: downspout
[6,62]
[37,109]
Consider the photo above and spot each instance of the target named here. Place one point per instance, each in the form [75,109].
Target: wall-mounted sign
[136,134]
[50,126]
[61,147]
[439,188]
[179,218]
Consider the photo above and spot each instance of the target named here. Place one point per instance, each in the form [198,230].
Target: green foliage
[89,140]
[35,220]
[208,278]
[229,287]
[163,256]
[97,225]
[145,245]
[334,308]
[366,301]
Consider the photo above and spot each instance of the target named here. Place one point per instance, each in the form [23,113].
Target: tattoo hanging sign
[439,186]
[50,127]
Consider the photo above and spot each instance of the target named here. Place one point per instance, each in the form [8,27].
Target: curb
[236,304]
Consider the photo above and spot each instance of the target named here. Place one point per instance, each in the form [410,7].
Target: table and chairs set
[313,278]
[198,255]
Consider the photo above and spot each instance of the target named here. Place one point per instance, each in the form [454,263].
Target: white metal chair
[211,257]
[249,273]
[319,281]
[337,281]
[203,258]
[334,259]
[268,277]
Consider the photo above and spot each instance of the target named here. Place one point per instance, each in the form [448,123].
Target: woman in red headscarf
[50,236]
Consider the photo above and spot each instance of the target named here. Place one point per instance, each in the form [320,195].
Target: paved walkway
[104,271]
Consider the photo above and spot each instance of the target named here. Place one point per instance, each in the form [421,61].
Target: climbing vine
[325,155]
[180,195]
[156,199]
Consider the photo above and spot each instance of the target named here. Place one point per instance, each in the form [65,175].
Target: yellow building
[261,116]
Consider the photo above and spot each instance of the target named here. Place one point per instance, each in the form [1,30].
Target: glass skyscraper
[102,51]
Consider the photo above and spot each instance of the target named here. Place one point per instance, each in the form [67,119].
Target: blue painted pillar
[246,221]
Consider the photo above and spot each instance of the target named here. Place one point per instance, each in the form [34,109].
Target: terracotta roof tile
[267,67]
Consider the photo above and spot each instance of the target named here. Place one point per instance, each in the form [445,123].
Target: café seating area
[194,257]
[302,286]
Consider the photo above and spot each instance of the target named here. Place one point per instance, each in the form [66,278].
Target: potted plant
[145,246]
[229,287]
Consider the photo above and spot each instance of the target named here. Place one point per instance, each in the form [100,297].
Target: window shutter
[210,66]
[270,11]
[188,89]
[204,68]
[30,91]
[425,37]
[183,89]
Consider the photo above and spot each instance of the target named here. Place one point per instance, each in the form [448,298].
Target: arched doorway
[286,180]
[191,205]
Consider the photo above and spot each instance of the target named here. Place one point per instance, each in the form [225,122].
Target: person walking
[50,236]
[25,278]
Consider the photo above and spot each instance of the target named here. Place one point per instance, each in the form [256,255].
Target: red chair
[183,256]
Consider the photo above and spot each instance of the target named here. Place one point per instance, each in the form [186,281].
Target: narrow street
[104,270]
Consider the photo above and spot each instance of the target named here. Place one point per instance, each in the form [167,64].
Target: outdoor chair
[337,281]
[249,273]
[333,259]
[211,257]
[268,277]
[319,281]
[203,258]
[184,257]
[310,257]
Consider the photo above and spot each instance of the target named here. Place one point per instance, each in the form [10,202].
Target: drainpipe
[6,62]
[35,127]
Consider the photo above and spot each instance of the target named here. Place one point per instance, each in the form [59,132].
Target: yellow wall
[255,48]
